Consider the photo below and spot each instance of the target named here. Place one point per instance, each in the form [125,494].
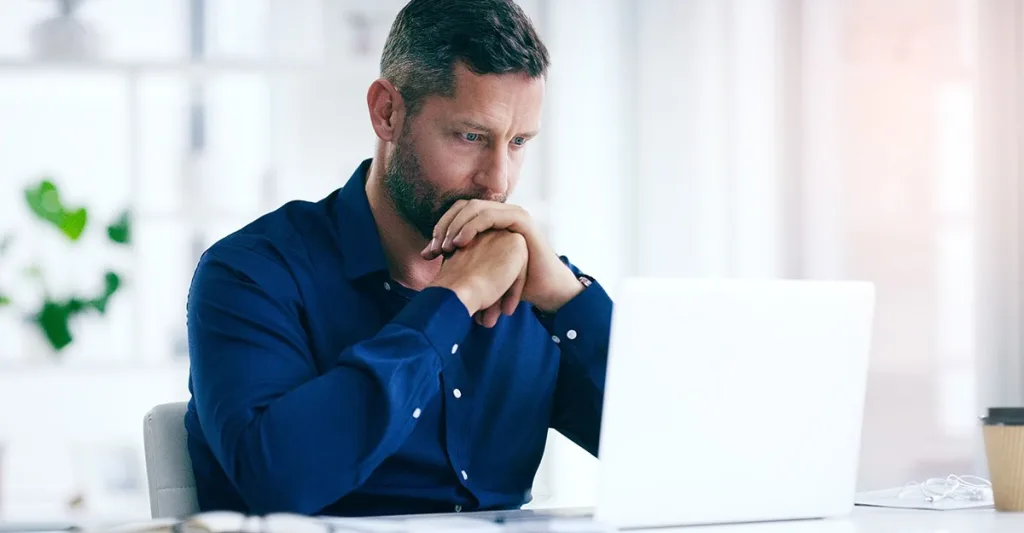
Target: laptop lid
[733,401]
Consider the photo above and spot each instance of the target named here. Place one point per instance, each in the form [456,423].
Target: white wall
[586,151]
[708,104]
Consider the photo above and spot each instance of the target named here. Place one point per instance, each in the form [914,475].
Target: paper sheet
[913,499]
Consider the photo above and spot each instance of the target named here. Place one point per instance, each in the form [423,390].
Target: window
[907,221]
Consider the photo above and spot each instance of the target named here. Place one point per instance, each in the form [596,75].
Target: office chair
[172,486]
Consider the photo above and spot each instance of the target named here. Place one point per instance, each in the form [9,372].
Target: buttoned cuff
[583,324]
[441,317]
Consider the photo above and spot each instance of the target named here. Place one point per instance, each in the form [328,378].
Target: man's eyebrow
[469,124]
[480,127]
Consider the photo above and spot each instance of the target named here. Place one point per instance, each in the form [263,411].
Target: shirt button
[455,348]
[571,334]
[465,476]
[417,413]
[556,339]
[457,393]
[387,286]
[458,508]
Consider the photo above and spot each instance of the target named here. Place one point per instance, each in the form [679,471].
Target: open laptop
[726,401]
[733,401]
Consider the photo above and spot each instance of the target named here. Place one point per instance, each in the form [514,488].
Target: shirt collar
[357,229]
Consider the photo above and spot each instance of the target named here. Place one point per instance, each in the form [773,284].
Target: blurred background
[829,139]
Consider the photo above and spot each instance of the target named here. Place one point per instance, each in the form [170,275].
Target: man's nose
[493,177]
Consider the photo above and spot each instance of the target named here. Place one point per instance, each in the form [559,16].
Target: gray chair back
[172,486]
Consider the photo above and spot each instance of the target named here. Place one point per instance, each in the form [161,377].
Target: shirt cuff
[441,317]
[583,324]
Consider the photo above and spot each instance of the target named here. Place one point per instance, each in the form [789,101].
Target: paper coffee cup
[1004,451]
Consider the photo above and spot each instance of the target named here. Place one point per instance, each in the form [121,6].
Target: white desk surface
[877,520]
[862,520]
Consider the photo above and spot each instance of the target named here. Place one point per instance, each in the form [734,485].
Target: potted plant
[54,314]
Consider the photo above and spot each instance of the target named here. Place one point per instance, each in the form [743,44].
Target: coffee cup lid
[1005,416]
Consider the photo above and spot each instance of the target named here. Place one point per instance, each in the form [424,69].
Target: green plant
[54,314]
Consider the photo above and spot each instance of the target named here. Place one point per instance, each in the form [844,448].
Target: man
[403,345]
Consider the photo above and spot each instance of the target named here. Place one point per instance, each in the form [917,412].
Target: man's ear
[386,109]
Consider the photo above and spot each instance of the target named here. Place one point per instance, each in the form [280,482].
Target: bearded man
[404,344]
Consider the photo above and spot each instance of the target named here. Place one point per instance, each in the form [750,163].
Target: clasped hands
[498,258]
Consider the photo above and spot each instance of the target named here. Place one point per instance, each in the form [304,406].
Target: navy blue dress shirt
[321,386]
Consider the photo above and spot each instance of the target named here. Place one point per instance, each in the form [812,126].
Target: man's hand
[488,275]
[549,283]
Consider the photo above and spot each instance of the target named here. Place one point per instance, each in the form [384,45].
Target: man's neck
[401,242]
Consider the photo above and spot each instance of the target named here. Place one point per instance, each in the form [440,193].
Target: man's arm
[288,439]
[582,328]
[578,318]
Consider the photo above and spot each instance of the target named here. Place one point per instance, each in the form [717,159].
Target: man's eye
[471,137]
[519,141]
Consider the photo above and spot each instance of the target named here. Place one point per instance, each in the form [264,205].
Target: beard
[418,201]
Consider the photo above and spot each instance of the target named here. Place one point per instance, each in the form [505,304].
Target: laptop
[731,401]
[726,401]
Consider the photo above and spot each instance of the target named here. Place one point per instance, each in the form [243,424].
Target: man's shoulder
[280,238]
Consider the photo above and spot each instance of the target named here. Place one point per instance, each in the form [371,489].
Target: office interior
[876,140]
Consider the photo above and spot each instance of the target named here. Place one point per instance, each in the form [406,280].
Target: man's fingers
[487,220]
[465,234]
[510,301]
[443,227]
[467,219]
[472,210]
[433,248]
[488,317]
[491,315]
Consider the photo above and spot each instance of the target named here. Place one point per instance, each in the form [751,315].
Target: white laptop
[733,401]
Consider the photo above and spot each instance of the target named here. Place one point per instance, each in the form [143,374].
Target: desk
[876,520]
[861,520]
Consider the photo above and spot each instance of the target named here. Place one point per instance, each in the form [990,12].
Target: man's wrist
[464,291]
[565,292]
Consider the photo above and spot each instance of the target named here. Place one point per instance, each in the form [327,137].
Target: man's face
[470,146]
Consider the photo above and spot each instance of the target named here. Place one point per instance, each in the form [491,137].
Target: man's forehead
[469,84]
[492,100]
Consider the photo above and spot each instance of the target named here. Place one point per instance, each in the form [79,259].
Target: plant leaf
[44,201]
[73,223]
[113,283]
[4,301]
[121,230]
[53,319]
[75,306]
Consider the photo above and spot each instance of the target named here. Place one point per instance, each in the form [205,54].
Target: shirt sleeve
[581,328]
[289,439]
